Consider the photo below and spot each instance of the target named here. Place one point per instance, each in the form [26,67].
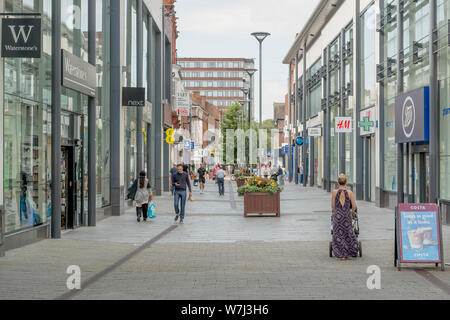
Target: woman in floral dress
[345,243]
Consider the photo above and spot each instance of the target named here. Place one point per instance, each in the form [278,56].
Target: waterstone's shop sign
[133,97]
[21,38]
[412,116]
[78,75]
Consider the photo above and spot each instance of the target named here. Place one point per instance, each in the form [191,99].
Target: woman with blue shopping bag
[143,196]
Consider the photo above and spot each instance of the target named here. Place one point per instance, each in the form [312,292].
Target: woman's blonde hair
[342,180]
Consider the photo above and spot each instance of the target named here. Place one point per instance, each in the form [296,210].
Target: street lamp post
[246,100]
[260,36]
[251,73]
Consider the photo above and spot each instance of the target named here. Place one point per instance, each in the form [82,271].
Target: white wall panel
[155,8]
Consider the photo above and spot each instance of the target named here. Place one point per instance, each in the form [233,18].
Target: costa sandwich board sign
[21,38]
[133,97]
[418,234]
[412,116]
[78,75]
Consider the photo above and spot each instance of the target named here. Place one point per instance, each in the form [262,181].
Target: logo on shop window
[446,112]
[21,38]
[20,32]
[412,122]
[408,117]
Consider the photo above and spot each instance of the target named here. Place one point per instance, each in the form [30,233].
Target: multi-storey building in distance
[221,80]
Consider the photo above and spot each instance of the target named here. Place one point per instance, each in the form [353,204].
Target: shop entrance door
[372,168]
[368,168]
[73,174]
[421,177]
[67,187]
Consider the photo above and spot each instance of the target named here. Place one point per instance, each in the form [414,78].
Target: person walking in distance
[216,168]
[221,180]
[181,182]
[300,169]
[201,176]
[343,204]
[143,196]
[172,172]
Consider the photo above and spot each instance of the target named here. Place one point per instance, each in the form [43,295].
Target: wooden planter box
[240,183]
[261,203]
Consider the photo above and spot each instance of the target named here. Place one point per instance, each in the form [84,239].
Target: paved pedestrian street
[219,254]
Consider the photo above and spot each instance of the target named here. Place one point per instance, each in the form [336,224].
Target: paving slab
[219,254]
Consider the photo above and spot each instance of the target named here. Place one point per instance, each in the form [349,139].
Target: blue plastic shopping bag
[152,210]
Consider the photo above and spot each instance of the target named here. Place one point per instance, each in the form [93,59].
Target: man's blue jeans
[221,183]
[180,195]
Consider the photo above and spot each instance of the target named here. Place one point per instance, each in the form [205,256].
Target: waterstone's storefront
[27,122]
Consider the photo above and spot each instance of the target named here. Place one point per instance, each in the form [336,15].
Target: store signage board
[184,112]
[187,144]
[182,100]
[367,122]
[133,97]
[344,125]
[78,75]
[418,234]
[412,116]
[315,132]
[21,38]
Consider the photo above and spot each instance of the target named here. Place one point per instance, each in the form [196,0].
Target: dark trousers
[221,183]
[142,211]
[180,196]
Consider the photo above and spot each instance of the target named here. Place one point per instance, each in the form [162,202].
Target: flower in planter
[257,184]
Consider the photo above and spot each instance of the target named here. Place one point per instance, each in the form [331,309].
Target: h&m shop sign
[412,116]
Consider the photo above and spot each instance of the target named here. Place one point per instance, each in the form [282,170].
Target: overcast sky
[221,28]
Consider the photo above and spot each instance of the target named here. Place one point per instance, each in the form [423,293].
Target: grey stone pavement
[219,254]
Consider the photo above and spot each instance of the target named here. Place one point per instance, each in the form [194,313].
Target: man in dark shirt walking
[181,181]
[173,171]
